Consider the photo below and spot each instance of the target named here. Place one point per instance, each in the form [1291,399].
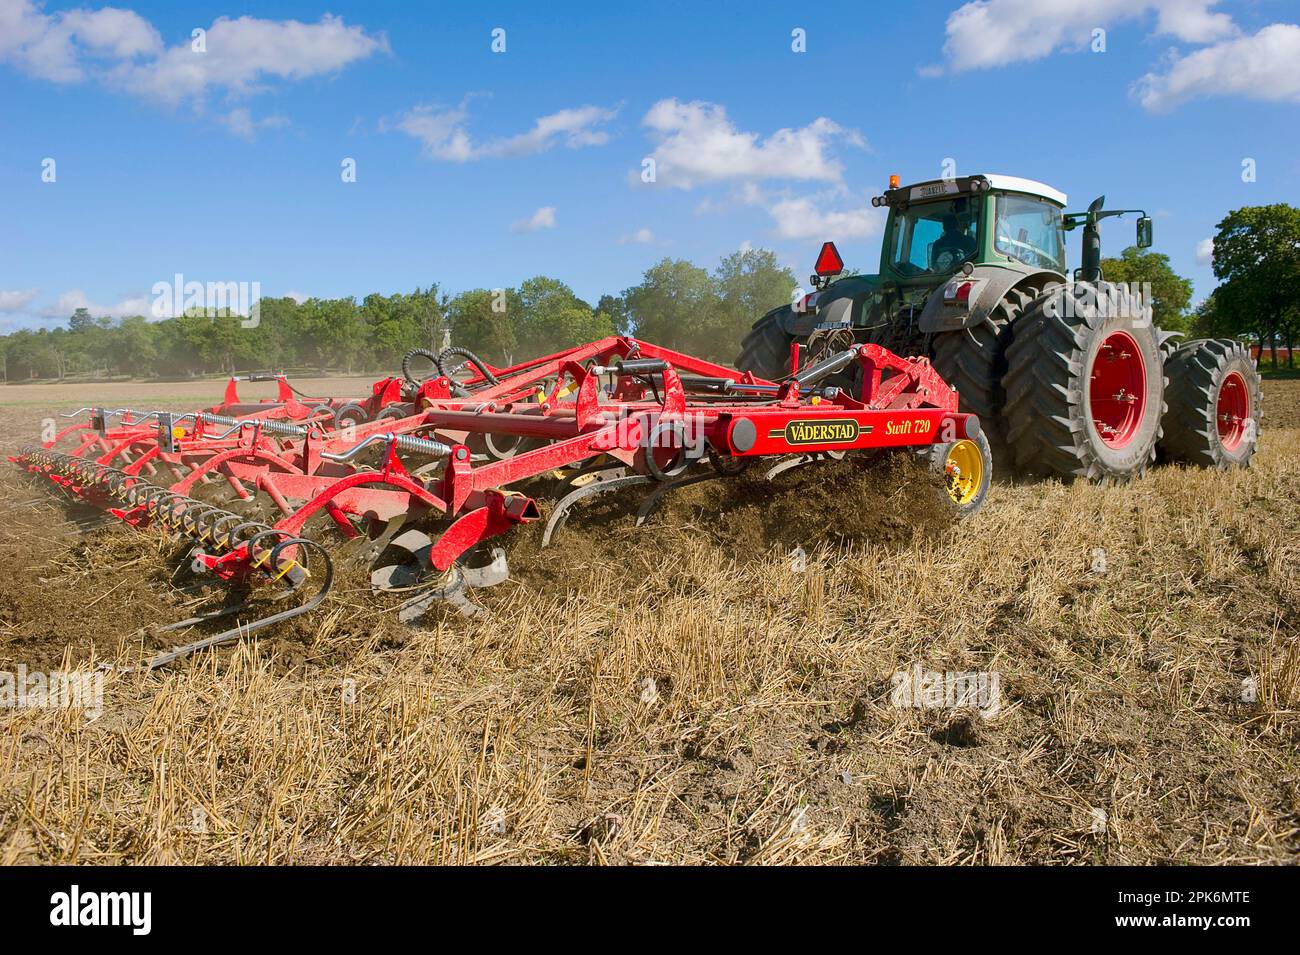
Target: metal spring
[404,442]
[270,426]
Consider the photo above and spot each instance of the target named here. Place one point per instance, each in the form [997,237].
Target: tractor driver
[951,248]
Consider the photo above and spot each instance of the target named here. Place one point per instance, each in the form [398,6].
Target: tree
[616,308]
[673,306]
[550,317]
[750,284]
[80,319]
[1170,292]
[1257,258]
[480,321]
[131,347]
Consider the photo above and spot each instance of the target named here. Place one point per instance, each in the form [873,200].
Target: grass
[663,697]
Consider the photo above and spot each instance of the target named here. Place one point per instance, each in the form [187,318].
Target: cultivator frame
[466,451]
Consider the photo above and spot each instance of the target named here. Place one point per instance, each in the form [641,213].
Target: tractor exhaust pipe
[1091,270]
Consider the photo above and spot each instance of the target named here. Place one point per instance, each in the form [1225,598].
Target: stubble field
[685,692]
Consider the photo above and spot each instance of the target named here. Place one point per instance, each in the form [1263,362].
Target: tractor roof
[1031,186]
[937,188]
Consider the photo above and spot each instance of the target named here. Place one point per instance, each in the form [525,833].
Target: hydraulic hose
[418,353]
[455,351]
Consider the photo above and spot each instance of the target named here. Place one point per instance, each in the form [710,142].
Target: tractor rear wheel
[1214,405]
[766,349]
[973,360]
[1084,394]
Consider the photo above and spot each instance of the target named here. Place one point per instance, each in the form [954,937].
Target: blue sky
[480,169]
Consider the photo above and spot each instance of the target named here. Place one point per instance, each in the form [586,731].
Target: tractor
[1067,373]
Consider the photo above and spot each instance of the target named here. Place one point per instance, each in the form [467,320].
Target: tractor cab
[936,227]
[951,249]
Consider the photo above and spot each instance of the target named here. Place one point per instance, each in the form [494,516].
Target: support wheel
[965,468]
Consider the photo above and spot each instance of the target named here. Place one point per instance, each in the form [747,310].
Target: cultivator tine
[201,618]
[595,488]
[412,573]
[599,470]
[368,549]
[453,589]
[654,497]
[452,592]
[788,464]
[237,633]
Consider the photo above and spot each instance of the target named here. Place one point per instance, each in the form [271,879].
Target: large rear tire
[766,349]
[1084,393]
[1215,399]
[973,360]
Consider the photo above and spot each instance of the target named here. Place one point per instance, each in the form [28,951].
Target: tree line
[677,304]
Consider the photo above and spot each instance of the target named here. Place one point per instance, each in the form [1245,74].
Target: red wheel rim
[1117,394]
[1232,411]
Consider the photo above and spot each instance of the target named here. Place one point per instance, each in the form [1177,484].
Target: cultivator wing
[420,474]
[228,545]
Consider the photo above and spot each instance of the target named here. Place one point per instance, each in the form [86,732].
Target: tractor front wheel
[1214,405]
[766,349]
[973,361]
[1084,391]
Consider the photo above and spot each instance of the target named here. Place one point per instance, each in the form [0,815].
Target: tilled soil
[689,691]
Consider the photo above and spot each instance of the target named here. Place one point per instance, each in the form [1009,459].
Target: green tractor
[1068,374]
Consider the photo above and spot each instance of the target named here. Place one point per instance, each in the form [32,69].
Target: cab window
[934,237]
[1030,231]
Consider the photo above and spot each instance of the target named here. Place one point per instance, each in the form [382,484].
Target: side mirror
[1144,232]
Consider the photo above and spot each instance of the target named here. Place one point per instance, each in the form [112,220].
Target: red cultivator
[433,468]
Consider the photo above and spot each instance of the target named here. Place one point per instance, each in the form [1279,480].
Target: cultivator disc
[415,478]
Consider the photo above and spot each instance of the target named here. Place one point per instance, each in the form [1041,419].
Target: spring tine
[654,497]
[561,512]
[788,464]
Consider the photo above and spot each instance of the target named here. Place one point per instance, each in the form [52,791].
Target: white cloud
[444,136]
[1265,66]
[640,236]
[297,296]
[543,218]
[696,142]
[242,53]
[16,300]
[69,302]
[440,132]
[56,47]
[991,33]
[240,121]
[122,50]
[810,218]
[1205,252]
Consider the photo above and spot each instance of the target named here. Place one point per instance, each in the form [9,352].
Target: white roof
[1031,186]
